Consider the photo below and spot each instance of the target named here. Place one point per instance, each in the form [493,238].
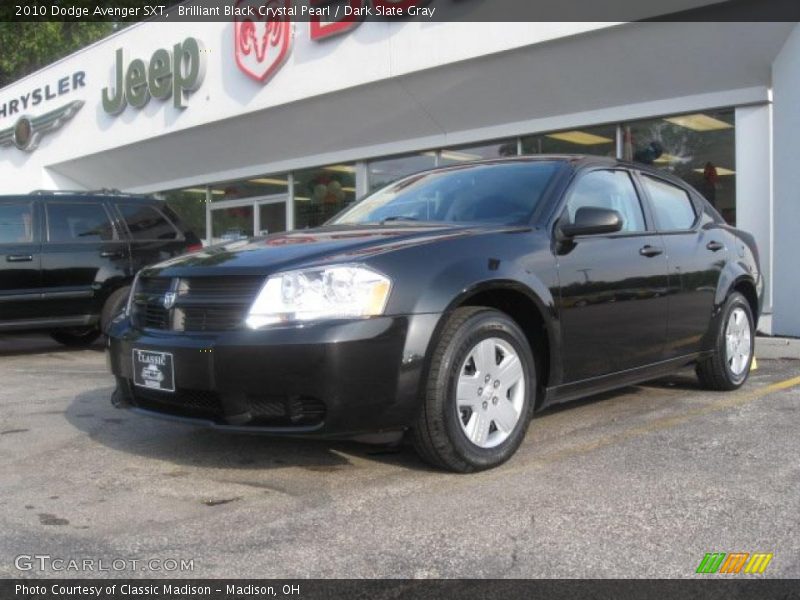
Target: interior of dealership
[698,147]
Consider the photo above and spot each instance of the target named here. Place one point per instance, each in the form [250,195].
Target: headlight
[343,291]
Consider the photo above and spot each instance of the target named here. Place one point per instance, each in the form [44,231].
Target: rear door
[20,260]
[153,236]
[613,303]
[83,258]
[696,255]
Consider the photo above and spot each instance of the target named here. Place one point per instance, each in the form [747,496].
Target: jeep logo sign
[169,73]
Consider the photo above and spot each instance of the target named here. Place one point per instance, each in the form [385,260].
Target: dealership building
[245,130]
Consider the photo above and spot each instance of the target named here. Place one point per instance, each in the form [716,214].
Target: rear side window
[16,223]
[73,222]
[672,206]
[146,223]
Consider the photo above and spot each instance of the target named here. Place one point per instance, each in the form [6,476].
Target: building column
[786,187]
[209,228]
[754,200]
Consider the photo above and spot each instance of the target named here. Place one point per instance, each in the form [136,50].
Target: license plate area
[153,370]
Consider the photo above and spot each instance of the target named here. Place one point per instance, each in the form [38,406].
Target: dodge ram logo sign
[263,37]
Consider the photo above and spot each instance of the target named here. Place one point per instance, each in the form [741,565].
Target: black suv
[67,259]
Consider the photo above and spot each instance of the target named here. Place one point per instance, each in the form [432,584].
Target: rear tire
[114,305]
[478,397]
[734,347]
[75,337]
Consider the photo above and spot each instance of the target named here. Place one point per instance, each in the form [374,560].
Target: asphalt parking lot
[637,483]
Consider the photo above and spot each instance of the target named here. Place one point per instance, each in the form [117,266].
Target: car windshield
[501,193]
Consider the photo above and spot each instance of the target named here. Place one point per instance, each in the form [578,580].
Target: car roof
[87,196]
[576,161]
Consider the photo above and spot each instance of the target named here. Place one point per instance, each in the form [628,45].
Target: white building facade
[243,138]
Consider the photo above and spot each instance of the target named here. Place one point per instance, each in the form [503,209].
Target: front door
[20,261]
[613,303]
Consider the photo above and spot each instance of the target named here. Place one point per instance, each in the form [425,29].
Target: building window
[190,205]
[385,171]
[254,187]
[597,141]
[321,193]
[499,149]
[246,207]
[231,224]
[699,148]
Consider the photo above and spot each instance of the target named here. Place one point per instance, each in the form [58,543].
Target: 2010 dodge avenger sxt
[452,304]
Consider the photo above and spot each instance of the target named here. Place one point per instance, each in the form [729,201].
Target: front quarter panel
[435,279]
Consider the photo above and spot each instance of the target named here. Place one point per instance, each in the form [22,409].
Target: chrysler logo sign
[26,133]
[262,44]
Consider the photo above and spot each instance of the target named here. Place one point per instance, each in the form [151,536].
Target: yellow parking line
[729,401]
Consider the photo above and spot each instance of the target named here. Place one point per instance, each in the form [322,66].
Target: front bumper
[333,379]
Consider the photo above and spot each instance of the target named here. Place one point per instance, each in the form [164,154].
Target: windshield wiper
[397,218]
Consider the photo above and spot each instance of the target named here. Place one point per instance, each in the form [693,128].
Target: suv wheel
[75,336]
[114,305]
[478,398]
[729,367]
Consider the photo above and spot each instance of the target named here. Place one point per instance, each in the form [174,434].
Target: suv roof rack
[100,192]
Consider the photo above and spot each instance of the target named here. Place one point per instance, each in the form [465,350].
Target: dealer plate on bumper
[153,370]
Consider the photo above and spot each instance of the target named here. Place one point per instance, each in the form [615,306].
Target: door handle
[714,245]
[111,254]
[650,251]
[19,258]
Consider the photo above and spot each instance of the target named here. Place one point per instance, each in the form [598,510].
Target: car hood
[312,247]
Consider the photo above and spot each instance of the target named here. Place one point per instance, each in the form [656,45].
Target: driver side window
[611,190]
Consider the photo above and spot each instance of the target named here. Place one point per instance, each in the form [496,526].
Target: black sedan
[453,304]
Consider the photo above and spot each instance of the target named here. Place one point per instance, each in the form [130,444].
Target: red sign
[321,30]
[262,44]
[263,30]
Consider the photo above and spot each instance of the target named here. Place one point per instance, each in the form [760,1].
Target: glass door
[239,219]
[231,223]
[271,215]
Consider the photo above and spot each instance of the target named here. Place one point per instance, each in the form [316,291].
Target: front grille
[200,303]
[284,411]
[210,319]
[265,411]
[183,402]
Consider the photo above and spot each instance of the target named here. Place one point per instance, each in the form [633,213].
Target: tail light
[194,247]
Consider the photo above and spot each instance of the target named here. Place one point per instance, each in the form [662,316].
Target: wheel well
[748,290]
[527,315]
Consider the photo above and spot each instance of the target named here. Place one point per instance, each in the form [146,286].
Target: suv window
[672,206]
[74,222]
[16,223]
[146,223]
[612,190]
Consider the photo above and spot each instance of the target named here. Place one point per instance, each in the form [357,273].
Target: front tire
[479,392]
[734,346]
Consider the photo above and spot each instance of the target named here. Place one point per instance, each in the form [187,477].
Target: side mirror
[590,220]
